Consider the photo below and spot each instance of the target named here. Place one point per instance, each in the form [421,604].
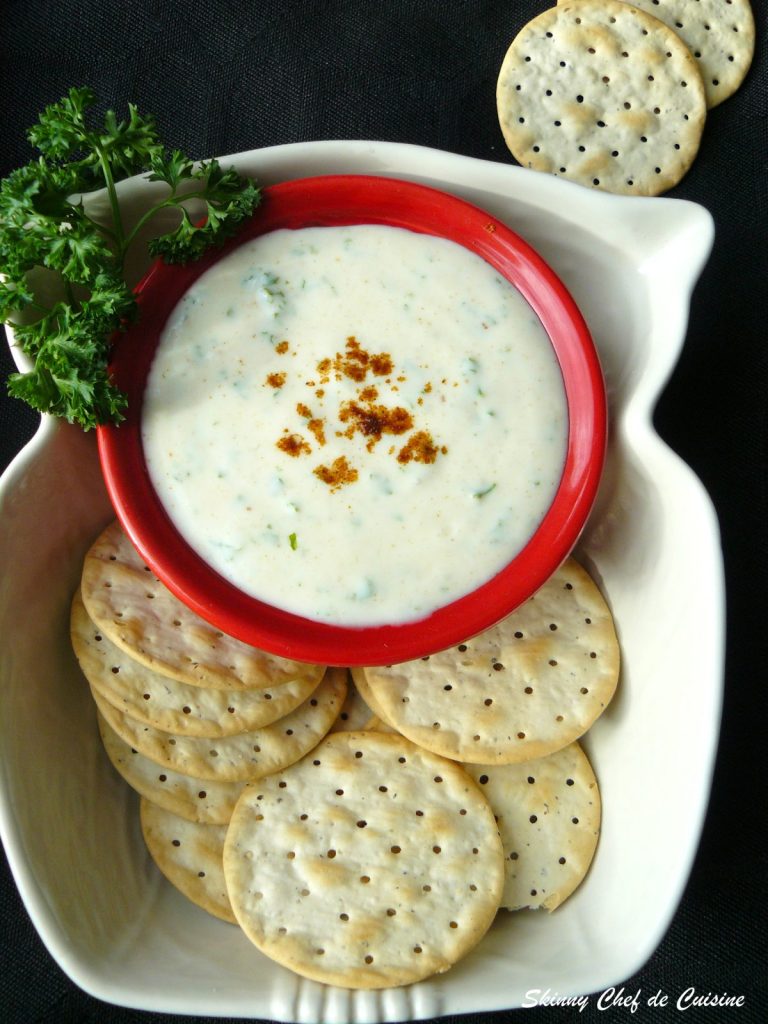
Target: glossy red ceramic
[342,200]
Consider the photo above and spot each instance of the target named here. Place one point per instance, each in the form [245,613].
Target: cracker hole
[202,795]
[201,874]
[521,735]
[343,917]
[454,924]
[382,789]
[533,819]
[304,892]
[419,814]
[339,792]
[364,879]
[569,782]
[391,912]
[437,849]
[213,753]
[575,821]
[362,823]
[472,887]
[483,780]
[330,854]
[291,855]
[561,860]
[528,689]
[426,888]
[175,842]
[417,949]
[256,748]
[394,849]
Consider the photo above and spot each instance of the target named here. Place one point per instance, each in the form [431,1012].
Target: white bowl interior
[70,825]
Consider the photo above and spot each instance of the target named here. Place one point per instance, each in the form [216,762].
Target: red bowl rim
[328,200]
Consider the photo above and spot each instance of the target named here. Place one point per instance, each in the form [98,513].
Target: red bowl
[343,200]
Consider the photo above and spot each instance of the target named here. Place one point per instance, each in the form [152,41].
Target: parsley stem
[117,220]
[172,201]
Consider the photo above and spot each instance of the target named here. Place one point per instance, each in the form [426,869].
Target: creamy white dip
[356,424]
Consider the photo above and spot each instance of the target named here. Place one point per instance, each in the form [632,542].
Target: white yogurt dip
[356,424]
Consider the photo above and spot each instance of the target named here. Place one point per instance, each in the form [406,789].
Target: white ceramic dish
[70,825]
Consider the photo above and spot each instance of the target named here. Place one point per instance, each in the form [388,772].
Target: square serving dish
[70,825]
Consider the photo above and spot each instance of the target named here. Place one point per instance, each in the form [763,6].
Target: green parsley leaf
[46,230]
[293,541]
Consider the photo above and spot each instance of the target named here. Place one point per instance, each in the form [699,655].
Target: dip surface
[355,424]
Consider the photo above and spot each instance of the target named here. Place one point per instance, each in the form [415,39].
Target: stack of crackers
[362,831]
[614,95]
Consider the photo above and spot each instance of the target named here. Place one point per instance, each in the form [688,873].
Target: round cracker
[548,813]
[206,801]
[603,94]
[142,617]
[190,856]
[521,690]
[244,756]
[719,33]
[356,713]
[368,864]
[170,705]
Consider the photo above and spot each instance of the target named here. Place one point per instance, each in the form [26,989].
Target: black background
[223,76]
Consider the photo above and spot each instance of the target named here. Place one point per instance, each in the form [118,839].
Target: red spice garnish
[282,347]
[420,448]
[337,474]
[373,421]
[317,427]
[276,380]
[294,445]
[303,410]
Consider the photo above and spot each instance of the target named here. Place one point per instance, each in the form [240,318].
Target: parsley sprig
[46,228]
